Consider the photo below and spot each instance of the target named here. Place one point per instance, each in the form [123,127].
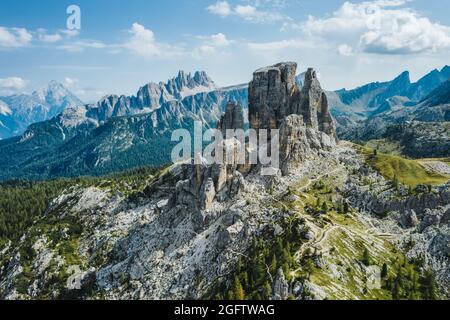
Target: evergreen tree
[324,207]
[267,291]
[238,290]
[384,271]
[366,257]
[273,264]
[346,207]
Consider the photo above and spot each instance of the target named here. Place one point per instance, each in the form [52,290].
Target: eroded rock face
[233,118]
[270,95]
[198,185]
[299,142]
[280,287]
[274,94]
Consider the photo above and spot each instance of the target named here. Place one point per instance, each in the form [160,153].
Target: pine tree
[384,271]
[429,286]
[273,264]
[345,207]
[366,257]
[238,290]
[267,291]
[396,182]
[324,207]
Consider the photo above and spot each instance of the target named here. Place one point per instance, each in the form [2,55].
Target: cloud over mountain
[383,27]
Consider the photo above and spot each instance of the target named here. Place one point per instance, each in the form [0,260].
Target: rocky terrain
[86,136]
[315,230]
[419,128]
[19,111]
[117,133]
[370,100]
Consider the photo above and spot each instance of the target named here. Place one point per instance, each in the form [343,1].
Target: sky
[122,45]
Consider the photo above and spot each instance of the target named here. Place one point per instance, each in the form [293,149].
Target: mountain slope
[117,133]
[17,112]
[372,99]
[326,226]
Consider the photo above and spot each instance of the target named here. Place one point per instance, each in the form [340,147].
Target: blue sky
[124,44]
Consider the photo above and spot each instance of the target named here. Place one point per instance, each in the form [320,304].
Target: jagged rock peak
[270,93]
[274,94]
[153,95]
[183,80]
[233,118]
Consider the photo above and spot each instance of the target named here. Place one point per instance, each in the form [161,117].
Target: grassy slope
[341,239]
[406,171]
[385,146]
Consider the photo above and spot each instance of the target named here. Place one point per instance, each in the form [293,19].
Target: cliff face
[302,115]
[270,95]
[195,230]
[233,118]
[274,94]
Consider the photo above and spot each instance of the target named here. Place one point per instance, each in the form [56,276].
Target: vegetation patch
[398,169]
[256,270]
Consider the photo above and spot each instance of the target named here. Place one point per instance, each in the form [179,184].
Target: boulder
[280,286]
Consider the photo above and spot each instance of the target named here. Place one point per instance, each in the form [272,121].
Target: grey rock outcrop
[299,142]
[302,115]
[280,286]
[233,118]
[270,94]
[198,185]
[274,94]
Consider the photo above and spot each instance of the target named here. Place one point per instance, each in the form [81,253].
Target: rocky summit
[331,222]
[274,94]
[301,114]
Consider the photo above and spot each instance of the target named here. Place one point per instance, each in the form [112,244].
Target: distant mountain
[439,96]
[17,112]
[121,132]
[118,132]
[369,100]
[420,129]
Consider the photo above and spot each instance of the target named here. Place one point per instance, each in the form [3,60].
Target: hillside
[331,223]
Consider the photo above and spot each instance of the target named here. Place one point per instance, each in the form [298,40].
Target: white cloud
[49,38]
[11,85]
[220,8]
[250,13]
[245,11]
[280,45]
[210,44]
[79,46]
[345,50]
[383,26]
[70,33]
[203,51]
[62,34]
[220,40]
[216,40]
[70,81]
[143,43]
[14,37]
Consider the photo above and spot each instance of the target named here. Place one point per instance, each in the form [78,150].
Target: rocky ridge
[183,234]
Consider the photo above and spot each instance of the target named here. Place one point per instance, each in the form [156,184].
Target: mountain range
[122,132]
[118,132]
[19,111]
[336,220]
[371,99]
